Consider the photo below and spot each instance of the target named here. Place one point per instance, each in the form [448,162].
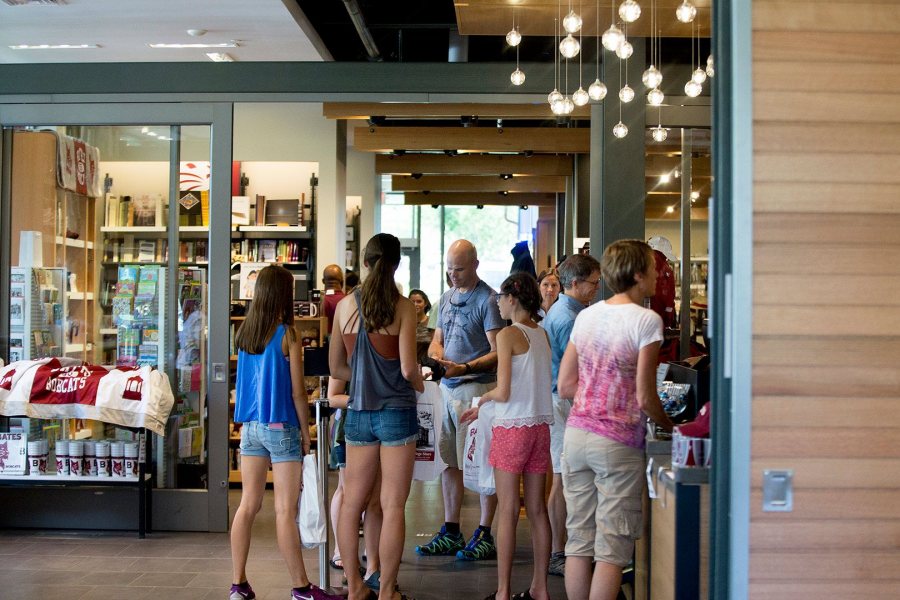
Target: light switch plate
[778,491]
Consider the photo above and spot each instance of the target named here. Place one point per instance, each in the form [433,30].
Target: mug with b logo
[308,309]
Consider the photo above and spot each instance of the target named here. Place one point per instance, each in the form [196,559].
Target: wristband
[468,368]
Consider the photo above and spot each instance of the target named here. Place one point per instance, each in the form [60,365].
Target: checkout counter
[672,556]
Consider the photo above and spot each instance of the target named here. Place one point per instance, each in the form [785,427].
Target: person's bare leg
[336,500]
[578,577]
[372,524]
[396,477]
[452,488]
[507,498]
[488,508]
[286,478]
[556,511]
[606,583]
[359,478]
[253,485]
[536,509]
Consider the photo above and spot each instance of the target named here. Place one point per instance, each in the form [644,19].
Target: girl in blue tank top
[272,406]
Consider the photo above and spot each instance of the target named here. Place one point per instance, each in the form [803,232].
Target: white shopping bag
[429,406]
[478,474]
[311,509]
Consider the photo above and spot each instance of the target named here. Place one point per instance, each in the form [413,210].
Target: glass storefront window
[116,285]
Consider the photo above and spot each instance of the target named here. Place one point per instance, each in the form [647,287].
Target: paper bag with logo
[429,404]
[478,474]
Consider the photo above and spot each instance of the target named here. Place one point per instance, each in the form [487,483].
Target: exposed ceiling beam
[535,17]
[473,164]
[473,139]
[476,199]
[414,110]
[477,183]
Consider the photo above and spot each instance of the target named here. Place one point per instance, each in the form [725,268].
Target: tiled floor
[85,565]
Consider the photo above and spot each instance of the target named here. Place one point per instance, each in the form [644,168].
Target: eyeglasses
[501,294]
[592,283]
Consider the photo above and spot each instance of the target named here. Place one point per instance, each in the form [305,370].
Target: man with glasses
[579,276]
[465,344]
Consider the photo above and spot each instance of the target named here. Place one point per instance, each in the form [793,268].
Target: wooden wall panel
[826,316]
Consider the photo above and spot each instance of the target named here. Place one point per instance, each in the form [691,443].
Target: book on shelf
[148,211]
[260,210]
[240,210]
[190,210]
[146,251]
[267,250]
[112,210]
[201,251]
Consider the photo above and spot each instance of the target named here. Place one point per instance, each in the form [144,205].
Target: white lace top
[530,402]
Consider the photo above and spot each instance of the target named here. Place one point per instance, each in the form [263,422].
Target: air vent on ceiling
[23,2]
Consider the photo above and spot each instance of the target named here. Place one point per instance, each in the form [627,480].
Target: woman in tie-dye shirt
[609,368]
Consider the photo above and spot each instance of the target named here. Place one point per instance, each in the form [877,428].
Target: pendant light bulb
[569,47]
[655,97]
[572,22]
[554,97]
[652,77]
[693,89]
[620,130]
[625,50]
[698,76]
[597,90]
[686,12]
[517,77]
[613,38]
[626,94]
[568,106]
[580,97]
[710,68]
[629,11]
[558,107]
[659,134]
[513,37]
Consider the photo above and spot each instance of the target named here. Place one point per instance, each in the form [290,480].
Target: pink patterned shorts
[521,449]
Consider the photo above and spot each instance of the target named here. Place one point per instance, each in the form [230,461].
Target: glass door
[131,206]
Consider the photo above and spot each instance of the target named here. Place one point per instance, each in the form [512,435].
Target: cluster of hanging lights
[614,39]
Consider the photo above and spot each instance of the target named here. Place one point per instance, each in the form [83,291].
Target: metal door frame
[173,509]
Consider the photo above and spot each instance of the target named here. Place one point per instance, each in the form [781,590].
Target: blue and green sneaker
[480,547]
[442,544]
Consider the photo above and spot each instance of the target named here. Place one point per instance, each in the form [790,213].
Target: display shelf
[109,331]
[80,295]
[135,229]
[74,243]
[54,478]
[69,348]
[274,232]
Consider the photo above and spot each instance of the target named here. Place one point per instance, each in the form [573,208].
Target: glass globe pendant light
[626,94]
[659,133]
[698,76]
[572,22]
[568,106]
[625,50]
[613,38]
[655,97]
[629,11]
[693,89]
[559,107]
[517,77]
[710,68]
[554,97]
[620,130]
[580,97]
[597,90]
[569,47]
[686,12]
[652,77]
[513,37]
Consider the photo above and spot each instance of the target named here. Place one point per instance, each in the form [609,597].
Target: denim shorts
[388,427]
[280,445]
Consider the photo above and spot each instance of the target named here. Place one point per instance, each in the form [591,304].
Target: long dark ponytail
[379,293]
